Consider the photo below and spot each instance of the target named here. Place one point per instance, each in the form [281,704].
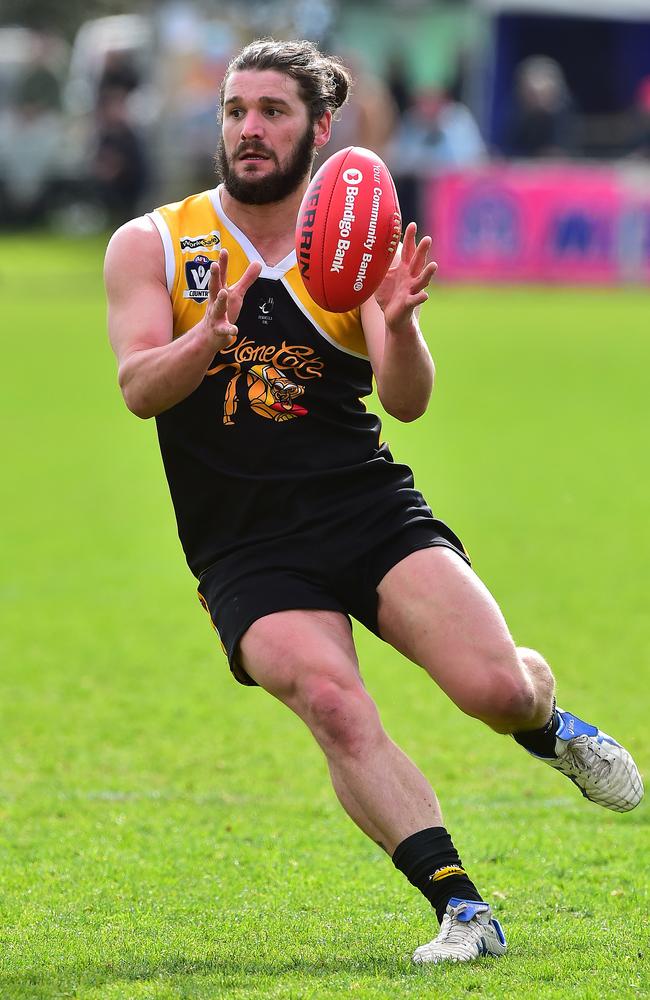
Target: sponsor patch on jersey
[208,241]
[265,314]
[197,277]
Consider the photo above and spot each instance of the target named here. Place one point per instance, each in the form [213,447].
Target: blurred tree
[63,16]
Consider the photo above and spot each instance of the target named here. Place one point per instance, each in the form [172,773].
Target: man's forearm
[155,378]
[405,381]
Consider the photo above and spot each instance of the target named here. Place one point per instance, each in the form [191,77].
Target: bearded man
[293,525]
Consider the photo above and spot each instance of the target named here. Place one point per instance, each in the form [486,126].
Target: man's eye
[272,112]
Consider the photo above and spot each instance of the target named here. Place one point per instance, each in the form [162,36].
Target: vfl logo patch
[197,276]
[206,242]
[265,314]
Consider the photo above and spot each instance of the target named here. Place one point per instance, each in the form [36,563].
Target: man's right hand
[225,302]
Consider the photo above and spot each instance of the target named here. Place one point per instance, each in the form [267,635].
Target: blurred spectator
[39,85]
[370,116]
[120,166]
[542,122]
[438,132]
[30,141]
[640,141]
[119,72]
[399,83]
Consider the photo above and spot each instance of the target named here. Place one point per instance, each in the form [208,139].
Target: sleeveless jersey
[276,437]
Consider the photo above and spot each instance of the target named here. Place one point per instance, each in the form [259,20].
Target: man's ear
[323,129]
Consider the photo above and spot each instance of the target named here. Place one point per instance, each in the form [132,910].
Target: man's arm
[399,356]
[156,371]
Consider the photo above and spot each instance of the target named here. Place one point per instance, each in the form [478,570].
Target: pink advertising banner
[553,223]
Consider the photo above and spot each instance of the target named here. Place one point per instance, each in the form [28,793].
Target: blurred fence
[553,222]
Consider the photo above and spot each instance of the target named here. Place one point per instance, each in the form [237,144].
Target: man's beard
[272,187]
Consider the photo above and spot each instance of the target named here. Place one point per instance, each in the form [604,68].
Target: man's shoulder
[135,232]
[135,243]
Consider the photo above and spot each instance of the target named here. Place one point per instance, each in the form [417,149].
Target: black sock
[431,863]
[540,741]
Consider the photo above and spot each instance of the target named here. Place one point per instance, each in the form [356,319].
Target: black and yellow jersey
[276,437]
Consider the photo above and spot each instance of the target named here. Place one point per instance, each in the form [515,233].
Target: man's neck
[270,228]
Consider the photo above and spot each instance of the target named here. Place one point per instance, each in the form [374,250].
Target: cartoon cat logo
[272,375]
[272,395]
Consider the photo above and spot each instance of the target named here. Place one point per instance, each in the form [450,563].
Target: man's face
[267,144]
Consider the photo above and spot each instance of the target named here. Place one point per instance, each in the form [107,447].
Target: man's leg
[435,610]
[307,660]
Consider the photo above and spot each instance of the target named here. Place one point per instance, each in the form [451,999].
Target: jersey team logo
[268,377]
[207,241]
[197,277]
[265,314]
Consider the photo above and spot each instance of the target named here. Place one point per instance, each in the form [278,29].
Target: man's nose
[252,125]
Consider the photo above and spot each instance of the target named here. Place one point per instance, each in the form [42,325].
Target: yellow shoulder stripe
[344,329]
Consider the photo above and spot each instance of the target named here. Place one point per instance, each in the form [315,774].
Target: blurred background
[518,131]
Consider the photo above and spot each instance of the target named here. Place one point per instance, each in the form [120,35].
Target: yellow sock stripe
[441,873]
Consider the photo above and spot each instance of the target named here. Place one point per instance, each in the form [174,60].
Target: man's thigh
[435,610]
[289,651]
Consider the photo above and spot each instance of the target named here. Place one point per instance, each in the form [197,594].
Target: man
[291,513]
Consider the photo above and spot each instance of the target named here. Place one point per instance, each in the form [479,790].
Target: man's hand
[156,370]
[225,302]
[403,288]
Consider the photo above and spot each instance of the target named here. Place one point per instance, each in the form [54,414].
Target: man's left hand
[404,287]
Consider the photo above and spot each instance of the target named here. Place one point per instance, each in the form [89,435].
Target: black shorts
[309,573]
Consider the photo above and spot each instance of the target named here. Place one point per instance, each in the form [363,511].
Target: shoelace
[580,756]
[452,931]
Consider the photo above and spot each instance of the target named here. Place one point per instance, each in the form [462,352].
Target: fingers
[218,322]
[223,266]
[424,277]
[416,255]
[408,243]
[220,310]
[250,275]
[218,271]
[217,279]
[421,255]
[214,284]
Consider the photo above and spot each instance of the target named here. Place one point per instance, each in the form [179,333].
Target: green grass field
[169,834]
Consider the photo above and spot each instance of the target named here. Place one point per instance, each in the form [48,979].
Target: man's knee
[538,669]
[502,696]
[513,701]
[339,712]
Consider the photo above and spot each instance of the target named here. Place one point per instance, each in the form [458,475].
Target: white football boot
[468,931]
[602,769]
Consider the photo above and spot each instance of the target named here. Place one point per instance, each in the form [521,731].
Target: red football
[348,229]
